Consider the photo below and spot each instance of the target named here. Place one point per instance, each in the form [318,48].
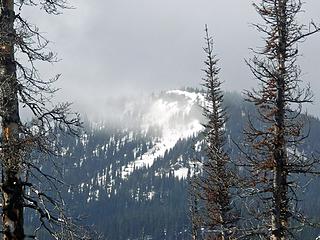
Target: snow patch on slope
[168,114]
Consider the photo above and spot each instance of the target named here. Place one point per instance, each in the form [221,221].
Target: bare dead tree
[217,178]
[275,161]
[21,86]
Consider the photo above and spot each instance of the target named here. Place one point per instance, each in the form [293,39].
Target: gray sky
[111,48]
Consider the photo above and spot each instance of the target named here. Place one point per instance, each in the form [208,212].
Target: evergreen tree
[218,217]
[275,159]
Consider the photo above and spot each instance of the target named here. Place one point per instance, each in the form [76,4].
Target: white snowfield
[162,114]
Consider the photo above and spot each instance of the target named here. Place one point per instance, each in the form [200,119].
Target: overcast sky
[112,48]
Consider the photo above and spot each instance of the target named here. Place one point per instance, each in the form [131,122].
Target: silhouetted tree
[218,216]
[21,47]
[275,160]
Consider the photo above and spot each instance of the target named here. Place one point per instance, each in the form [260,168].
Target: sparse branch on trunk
[22,86]
[275,156]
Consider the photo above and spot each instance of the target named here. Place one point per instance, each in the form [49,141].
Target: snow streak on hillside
[173,115]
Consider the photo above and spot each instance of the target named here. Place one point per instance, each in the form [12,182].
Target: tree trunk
[280,194]
[12,190]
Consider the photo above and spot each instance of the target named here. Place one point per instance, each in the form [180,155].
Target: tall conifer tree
[217,180]
[276,160]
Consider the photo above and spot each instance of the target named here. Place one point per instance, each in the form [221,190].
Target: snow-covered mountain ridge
[131,170]
[144,135]
[173,115]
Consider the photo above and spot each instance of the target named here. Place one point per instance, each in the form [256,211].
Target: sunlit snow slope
[175,115]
